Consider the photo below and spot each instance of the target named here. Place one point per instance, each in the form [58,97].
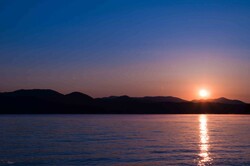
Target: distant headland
[46,101]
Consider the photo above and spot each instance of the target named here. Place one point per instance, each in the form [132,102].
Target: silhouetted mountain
[146,99]
[33,93]
[116,98]
[155,99]
[40,101]
[227,101]
[77,97]
[222,100]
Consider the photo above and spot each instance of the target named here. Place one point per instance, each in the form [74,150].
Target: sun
[203,93]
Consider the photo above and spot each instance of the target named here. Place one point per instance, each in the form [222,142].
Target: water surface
[125,140]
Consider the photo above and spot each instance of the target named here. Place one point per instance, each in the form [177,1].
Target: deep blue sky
[115,47]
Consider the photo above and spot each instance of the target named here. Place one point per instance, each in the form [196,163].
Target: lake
[124,140]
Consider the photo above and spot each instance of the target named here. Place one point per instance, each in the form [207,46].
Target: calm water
[125,140]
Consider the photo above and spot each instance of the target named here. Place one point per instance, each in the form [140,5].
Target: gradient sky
[132,47]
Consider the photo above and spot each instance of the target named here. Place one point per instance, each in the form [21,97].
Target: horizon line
[192,100]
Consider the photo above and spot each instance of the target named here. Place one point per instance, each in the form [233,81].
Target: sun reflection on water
[204,158]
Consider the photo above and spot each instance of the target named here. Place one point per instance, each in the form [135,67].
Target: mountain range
[50,101]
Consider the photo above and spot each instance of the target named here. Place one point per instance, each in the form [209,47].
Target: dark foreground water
[125,140]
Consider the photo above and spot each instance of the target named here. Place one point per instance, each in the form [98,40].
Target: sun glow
[203,93]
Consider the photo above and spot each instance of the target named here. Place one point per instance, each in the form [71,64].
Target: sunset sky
[117,47]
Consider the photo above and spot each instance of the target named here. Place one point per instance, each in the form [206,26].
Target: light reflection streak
[204,158]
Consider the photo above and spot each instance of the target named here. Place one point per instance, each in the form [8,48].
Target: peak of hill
[33,93]
[79,96]
[228,101]
[221,100]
